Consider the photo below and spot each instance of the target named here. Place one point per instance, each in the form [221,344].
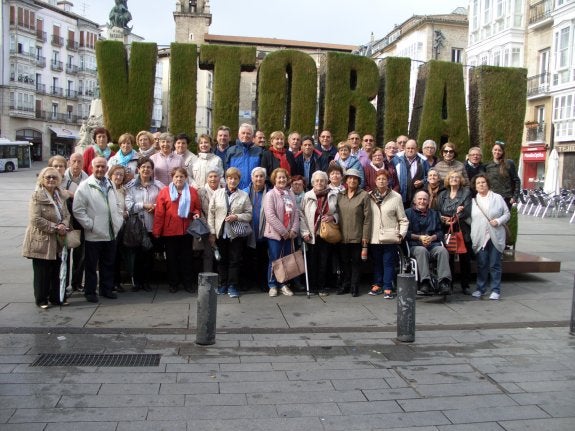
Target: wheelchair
[407,264]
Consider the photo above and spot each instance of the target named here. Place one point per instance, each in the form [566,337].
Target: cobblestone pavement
[290,363]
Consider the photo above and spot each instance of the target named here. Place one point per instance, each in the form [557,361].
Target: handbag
[73,238]
[240,228]
[329,232]
[289,266]
[198,228]
[134,231]
[454,242]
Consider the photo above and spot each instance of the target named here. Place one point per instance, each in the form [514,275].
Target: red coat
[167,222]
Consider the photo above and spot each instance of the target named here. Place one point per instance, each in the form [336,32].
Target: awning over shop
[64,133]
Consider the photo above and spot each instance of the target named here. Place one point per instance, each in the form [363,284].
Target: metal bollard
[406,293]
[572,327]
[207,308]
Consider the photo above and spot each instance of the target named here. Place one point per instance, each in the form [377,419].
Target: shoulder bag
[454,242]
[238,228]
[329,230]
[289,266]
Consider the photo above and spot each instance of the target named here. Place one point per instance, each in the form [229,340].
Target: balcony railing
[21,111]
[57,40]
[535,132]
[41,36]
[71,69]
[57,91]
[540,11]
[29,55]
[41,88]
[538,84]
[40,61]
[86,69]
[71,94]
[72,45]
[56,66]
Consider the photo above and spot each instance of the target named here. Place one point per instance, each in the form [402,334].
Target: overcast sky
[348,22]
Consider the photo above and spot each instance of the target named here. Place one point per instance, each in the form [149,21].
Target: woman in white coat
[489,213]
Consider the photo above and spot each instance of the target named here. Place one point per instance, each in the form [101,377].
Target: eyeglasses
[402,142]
[448,152]
[354,138]
[368,140]
[50,177]
[475,155]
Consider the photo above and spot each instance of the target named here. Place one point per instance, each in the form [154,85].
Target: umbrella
[63,272]
[520,170]
[304,247]
[551,184]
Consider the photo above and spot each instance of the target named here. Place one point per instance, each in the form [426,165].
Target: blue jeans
[276,249]
[489,266]
[384,257]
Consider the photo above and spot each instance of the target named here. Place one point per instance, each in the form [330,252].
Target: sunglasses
[448,151]
[50,177]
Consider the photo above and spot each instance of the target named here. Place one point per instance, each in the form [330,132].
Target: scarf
[321,202]
[124,159]
[281,156]
[105,153]
[377,196]
[288,206]
[433,192]
[147,153]
[57,202]
[185,199]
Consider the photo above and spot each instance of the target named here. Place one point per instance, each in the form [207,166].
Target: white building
[48,74]
[540,36]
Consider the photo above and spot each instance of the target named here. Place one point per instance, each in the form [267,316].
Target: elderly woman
[126,156]
[355,223]
[434,187]
[278,156]
[141,195]
[117,175]
[101,137]
[379,162]
[257,251]
[205,194]
[47,226]
[502,175]
[205,162]
[228,206]
[388,229]
[282,225]
[455,201]
[319,204]
[145,141]
[489,213]
[449,163]
[428,149]
[181,148]
[165,161]
[347,161]
[176,205]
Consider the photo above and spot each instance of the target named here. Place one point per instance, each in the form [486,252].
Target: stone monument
[119,18]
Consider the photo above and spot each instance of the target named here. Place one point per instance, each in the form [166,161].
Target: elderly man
[424,238]
[244,155]
[309,160]
[325,145]
[294,142]
[97,209]
[411,172]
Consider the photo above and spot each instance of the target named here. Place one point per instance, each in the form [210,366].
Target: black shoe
[425,287]
[354,292]
[173,289]
[118,288]
[110,295]
[465,289]
[342,291]
[147,287]
[91,297]
[445,287]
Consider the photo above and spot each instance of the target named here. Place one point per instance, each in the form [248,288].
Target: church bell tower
[193,19]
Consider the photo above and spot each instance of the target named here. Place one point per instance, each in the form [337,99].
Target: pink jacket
[274,208]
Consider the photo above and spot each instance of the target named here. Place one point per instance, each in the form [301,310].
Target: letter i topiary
[183,93]
[393,98]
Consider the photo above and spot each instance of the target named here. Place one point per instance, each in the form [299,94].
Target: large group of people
[260,203]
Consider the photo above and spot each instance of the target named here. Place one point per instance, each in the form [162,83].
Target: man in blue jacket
[424,238]
[244,155]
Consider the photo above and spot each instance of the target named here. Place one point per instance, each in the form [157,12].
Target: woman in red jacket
[176,205]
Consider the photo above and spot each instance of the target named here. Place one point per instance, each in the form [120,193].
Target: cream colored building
[540,36]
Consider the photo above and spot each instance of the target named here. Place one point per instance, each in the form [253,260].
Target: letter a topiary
[439,105]
[287,89]
[227,62]
[127,91]
[348,85]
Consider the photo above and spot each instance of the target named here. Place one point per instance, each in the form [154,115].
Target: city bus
[14,155]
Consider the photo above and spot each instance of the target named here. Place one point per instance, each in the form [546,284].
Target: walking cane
[303,247]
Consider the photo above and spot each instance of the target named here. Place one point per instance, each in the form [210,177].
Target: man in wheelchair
[424,239]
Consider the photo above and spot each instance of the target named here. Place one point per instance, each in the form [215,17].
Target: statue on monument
[120,16]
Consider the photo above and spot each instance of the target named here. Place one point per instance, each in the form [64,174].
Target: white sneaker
[494,295]
[286,290]
[477,294]
[273,291]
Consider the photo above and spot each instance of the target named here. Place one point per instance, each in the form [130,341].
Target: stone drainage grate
[96,360]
